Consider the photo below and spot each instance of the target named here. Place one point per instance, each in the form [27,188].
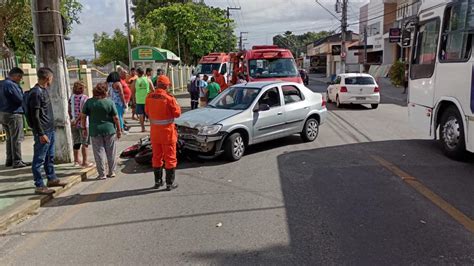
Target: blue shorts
[140,109]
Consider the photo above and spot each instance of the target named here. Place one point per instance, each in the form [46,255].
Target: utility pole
[241,40]
[95,47]
[365,46]
[129,36]
[49,44]
[229,33]
[344,35]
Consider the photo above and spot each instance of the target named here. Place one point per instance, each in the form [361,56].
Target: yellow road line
[34,240]
[457,215]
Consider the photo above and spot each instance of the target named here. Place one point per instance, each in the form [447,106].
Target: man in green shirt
[143,86]
[213,89]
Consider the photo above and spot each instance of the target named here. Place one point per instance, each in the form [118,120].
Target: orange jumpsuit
[220,79]
[162,109]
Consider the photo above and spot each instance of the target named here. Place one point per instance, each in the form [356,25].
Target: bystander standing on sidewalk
[213,89]
[117,95]
[41,119]
[142,88]
[203,91]
[80,142]
[131,83]
[159,72]
[127,93]
[193,90]
[11,116]
[104,129]
[149,75]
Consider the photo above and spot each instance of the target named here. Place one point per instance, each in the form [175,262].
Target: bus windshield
[273,68]
[207,68]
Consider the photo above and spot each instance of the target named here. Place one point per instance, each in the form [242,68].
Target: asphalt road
[368,191]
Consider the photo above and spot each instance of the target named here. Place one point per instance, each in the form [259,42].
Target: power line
[327,10]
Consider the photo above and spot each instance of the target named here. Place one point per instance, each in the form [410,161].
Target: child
[75,109]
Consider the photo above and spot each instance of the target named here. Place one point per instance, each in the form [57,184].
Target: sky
[262,19]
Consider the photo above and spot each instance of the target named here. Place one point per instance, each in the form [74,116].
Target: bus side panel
[470,134]
[421,118]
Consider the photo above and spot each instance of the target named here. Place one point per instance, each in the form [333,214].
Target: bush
[397,73]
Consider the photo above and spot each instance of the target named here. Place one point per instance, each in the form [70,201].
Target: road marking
[457,215]
[69,213]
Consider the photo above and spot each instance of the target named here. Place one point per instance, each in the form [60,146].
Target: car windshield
[359,81]
[235,98]
[207,68]
[273,68]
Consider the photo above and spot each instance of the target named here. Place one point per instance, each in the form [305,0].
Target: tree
[297,43]
[199,28]
[16,28]
[141,8]
[115,48]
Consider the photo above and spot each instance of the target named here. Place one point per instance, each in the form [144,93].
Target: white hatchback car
[354,88]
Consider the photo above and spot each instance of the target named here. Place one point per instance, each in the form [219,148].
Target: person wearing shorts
[142,88]
[81,143]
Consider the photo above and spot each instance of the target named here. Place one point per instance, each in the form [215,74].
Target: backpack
[25,106]
[193,87]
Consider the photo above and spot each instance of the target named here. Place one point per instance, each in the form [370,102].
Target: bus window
[424,57]
[456,41]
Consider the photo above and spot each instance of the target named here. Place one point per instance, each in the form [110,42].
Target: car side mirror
[261,108]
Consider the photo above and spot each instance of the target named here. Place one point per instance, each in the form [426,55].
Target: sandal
[88,165]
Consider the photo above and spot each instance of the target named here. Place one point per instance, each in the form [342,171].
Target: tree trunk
[5,52]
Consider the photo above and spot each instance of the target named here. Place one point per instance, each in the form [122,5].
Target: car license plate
[360,98]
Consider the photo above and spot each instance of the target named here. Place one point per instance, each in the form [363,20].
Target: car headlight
[209,130]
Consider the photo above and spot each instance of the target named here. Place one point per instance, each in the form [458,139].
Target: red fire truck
[263,63]
[213,61]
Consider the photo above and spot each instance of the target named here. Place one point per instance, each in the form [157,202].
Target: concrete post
[180,77]
[171,71]
[86,77]
[29,78]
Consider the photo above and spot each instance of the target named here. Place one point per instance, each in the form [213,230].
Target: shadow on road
[343,207]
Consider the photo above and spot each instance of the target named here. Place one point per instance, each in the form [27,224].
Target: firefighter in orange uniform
[162,109]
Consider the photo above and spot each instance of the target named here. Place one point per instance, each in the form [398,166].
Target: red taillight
[343,89]
[376,89]
[323,104]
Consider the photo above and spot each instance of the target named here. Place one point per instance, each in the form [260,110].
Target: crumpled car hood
[204,117]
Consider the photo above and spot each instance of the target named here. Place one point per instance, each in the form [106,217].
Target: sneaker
[101,177]
[21,164]
[76,164]
[44,191]
[87,165]
[56,183]
[111,175]
[8,164]
[125,132]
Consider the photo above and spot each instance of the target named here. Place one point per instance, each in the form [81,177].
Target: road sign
[406,38]
[394,35]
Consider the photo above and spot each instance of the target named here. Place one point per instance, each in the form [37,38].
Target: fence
[179,76]
[5,66]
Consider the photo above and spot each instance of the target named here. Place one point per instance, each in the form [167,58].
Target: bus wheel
[451,133]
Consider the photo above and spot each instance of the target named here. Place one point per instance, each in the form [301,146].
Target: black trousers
[194,100]
[13,125]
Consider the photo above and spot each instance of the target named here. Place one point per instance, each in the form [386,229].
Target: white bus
[441,83]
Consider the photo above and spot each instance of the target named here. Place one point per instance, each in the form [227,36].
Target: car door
[269,124]
[335,88]
[296,108]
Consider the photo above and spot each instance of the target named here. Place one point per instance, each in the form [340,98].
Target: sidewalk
[17,196]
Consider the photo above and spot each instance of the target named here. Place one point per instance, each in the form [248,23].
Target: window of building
[456,40]
[424,56]
[291,94]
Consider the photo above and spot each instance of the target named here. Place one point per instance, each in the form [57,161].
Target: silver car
[246,114]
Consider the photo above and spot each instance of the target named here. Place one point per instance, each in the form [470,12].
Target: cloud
[261,18]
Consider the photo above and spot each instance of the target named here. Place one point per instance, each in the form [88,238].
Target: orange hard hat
[164,80]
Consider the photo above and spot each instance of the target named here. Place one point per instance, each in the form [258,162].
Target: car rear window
[359,81]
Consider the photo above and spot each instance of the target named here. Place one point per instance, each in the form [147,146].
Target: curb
[20,210]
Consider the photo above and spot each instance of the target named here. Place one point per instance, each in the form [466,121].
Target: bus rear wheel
[451,132]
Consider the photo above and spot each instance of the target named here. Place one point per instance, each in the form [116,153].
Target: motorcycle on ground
[142,151]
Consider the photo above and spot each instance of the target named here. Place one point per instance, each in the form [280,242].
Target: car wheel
[338,103]
[310,130]
[374,106]
[234,147]
[451,133]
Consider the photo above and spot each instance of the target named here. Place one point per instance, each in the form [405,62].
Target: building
[325,54]
[376,19]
